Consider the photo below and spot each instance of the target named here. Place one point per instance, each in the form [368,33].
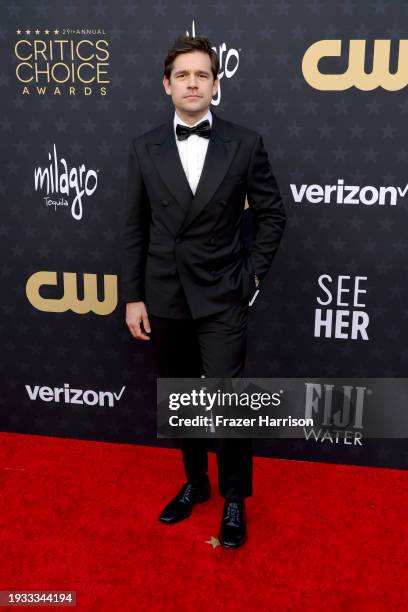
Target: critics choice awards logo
[62,61]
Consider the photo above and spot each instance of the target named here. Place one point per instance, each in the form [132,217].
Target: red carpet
[83,516]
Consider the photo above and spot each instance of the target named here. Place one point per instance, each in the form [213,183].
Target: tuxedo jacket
[183,254]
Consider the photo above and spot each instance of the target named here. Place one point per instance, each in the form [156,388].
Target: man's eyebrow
[201,71]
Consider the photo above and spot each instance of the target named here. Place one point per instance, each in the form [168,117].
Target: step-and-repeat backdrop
[325,84]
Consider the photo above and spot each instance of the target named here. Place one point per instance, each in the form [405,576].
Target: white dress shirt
[192,151]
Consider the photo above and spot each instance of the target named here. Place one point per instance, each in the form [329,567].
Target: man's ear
[216,83]
[166,85]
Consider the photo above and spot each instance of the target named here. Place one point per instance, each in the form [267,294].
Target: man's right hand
[136,314]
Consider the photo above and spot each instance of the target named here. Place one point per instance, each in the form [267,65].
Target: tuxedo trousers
[213,346]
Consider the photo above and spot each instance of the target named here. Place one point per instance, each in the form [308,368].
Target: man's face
[191,85]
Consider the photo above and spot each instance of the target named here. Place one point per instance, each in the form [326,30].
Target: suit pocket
[248,280]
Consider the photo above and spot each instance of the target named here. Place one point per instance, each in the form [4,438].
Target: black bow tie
[202,129]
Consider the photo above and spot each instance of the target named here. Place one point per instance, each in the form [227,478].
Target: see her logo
[342,315]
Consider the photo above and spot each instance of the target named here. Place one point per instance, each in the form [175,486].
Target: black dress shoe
[233,528]
[182,505]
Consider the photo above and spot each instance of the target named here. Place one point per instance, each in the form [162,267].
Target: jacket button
[165,202]
[178,239]
[222,203]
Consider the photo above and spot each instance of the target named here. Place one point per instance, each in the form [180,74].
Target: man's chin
[193,108]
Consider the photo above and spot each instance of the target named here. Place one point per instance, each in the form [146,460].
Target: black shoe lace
[233,514]
[186,493]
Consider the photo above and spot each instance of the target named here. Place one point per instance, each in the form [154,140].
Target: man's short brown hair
[188,44]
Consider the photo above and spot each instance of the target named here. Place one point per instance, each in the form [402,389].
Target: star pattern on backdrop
[311,137]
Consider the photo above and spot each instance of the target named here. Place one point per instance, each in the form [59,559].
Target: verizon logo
[68,395]
[347,194]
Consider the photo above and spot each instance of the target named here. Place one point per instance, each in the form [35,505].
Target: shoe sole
[233,546]
[172,521]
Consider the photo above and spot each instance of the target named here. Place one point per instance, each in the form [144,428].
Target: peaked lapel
[221,149]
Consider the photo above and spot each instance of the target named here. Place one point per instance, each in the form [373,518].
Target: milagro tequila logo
[57,180]
[228,59]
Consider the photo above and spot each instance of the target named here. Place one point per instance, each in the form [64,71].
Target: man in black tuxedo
[186,278]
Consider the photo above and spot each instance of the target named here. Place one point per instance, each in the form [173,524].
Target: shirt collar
[177,120]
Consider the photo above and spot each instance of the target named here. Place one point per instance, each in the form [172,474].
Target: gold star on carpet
[37,32]
[56,31]
[213,541]
[18,31]
[46,31]
[28,31]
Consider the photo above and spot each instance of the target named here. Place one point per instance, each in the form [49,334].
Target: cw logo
[355,75]
[69,299]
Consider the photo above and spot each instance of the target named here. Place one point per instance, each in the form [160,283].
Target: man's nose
[192,81]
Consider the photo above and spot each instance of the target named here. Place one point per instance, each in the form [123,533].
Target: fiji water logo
[61,184]
[229,62]
[339,410]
